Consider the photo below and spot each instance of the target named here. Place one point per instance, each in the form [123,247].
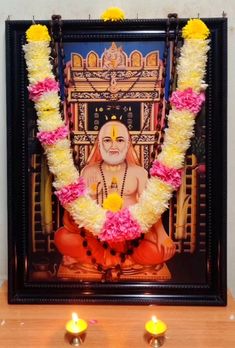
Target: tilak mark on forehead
[114,133]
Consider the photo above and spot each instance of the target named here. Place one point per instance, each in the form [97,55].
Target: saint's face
[113,143]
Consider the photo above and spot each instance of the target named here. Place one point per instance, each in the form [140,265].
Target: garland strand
[186,102]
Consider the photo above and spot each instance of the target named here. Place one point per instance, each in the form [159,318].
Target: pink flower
[41,87]
[170,176]
[119,227]
[50,138]
[187,99]
[72,191]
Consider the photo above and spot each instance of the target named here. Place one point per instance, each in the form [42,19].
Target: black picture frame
[212,291]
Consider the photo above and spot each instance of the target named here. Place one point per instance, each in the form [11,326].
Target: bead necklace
[107,273]
[172,22]
[104,181]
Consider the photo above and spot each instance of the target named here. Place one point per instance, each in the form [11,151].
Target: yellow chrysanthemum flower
[113,14]
[37,32]
[49,101]
[195,29]
[37,50]
[113,202]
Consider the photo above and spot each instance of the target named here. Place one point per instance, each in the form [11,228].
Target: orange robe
[69,242]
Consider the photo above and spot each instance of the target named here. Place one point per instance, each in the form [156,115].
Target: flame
[154,319]
[75,317]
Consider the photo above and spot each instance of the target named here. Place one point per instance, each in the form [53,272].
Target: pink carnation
[119,227]
[41,87]
[72,191]
[170,176]
[187,99]
[50,138]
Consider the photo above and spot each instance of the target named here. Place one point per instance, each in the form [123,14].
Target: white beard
[115,158]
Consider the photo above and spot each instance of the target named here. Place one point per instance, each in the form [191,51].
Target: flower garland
[186,101]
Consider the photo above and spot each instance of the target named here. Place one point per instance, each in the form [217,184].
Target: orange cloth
[69,242]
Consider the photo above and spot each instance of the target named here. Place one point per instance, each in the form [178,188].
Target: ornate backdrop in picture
[116,100]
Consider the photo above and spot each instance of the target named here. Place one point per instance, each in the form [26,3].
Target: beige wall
[70,9]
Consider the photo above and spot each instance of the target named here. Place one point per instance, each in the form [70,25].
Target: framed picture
[124,73]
